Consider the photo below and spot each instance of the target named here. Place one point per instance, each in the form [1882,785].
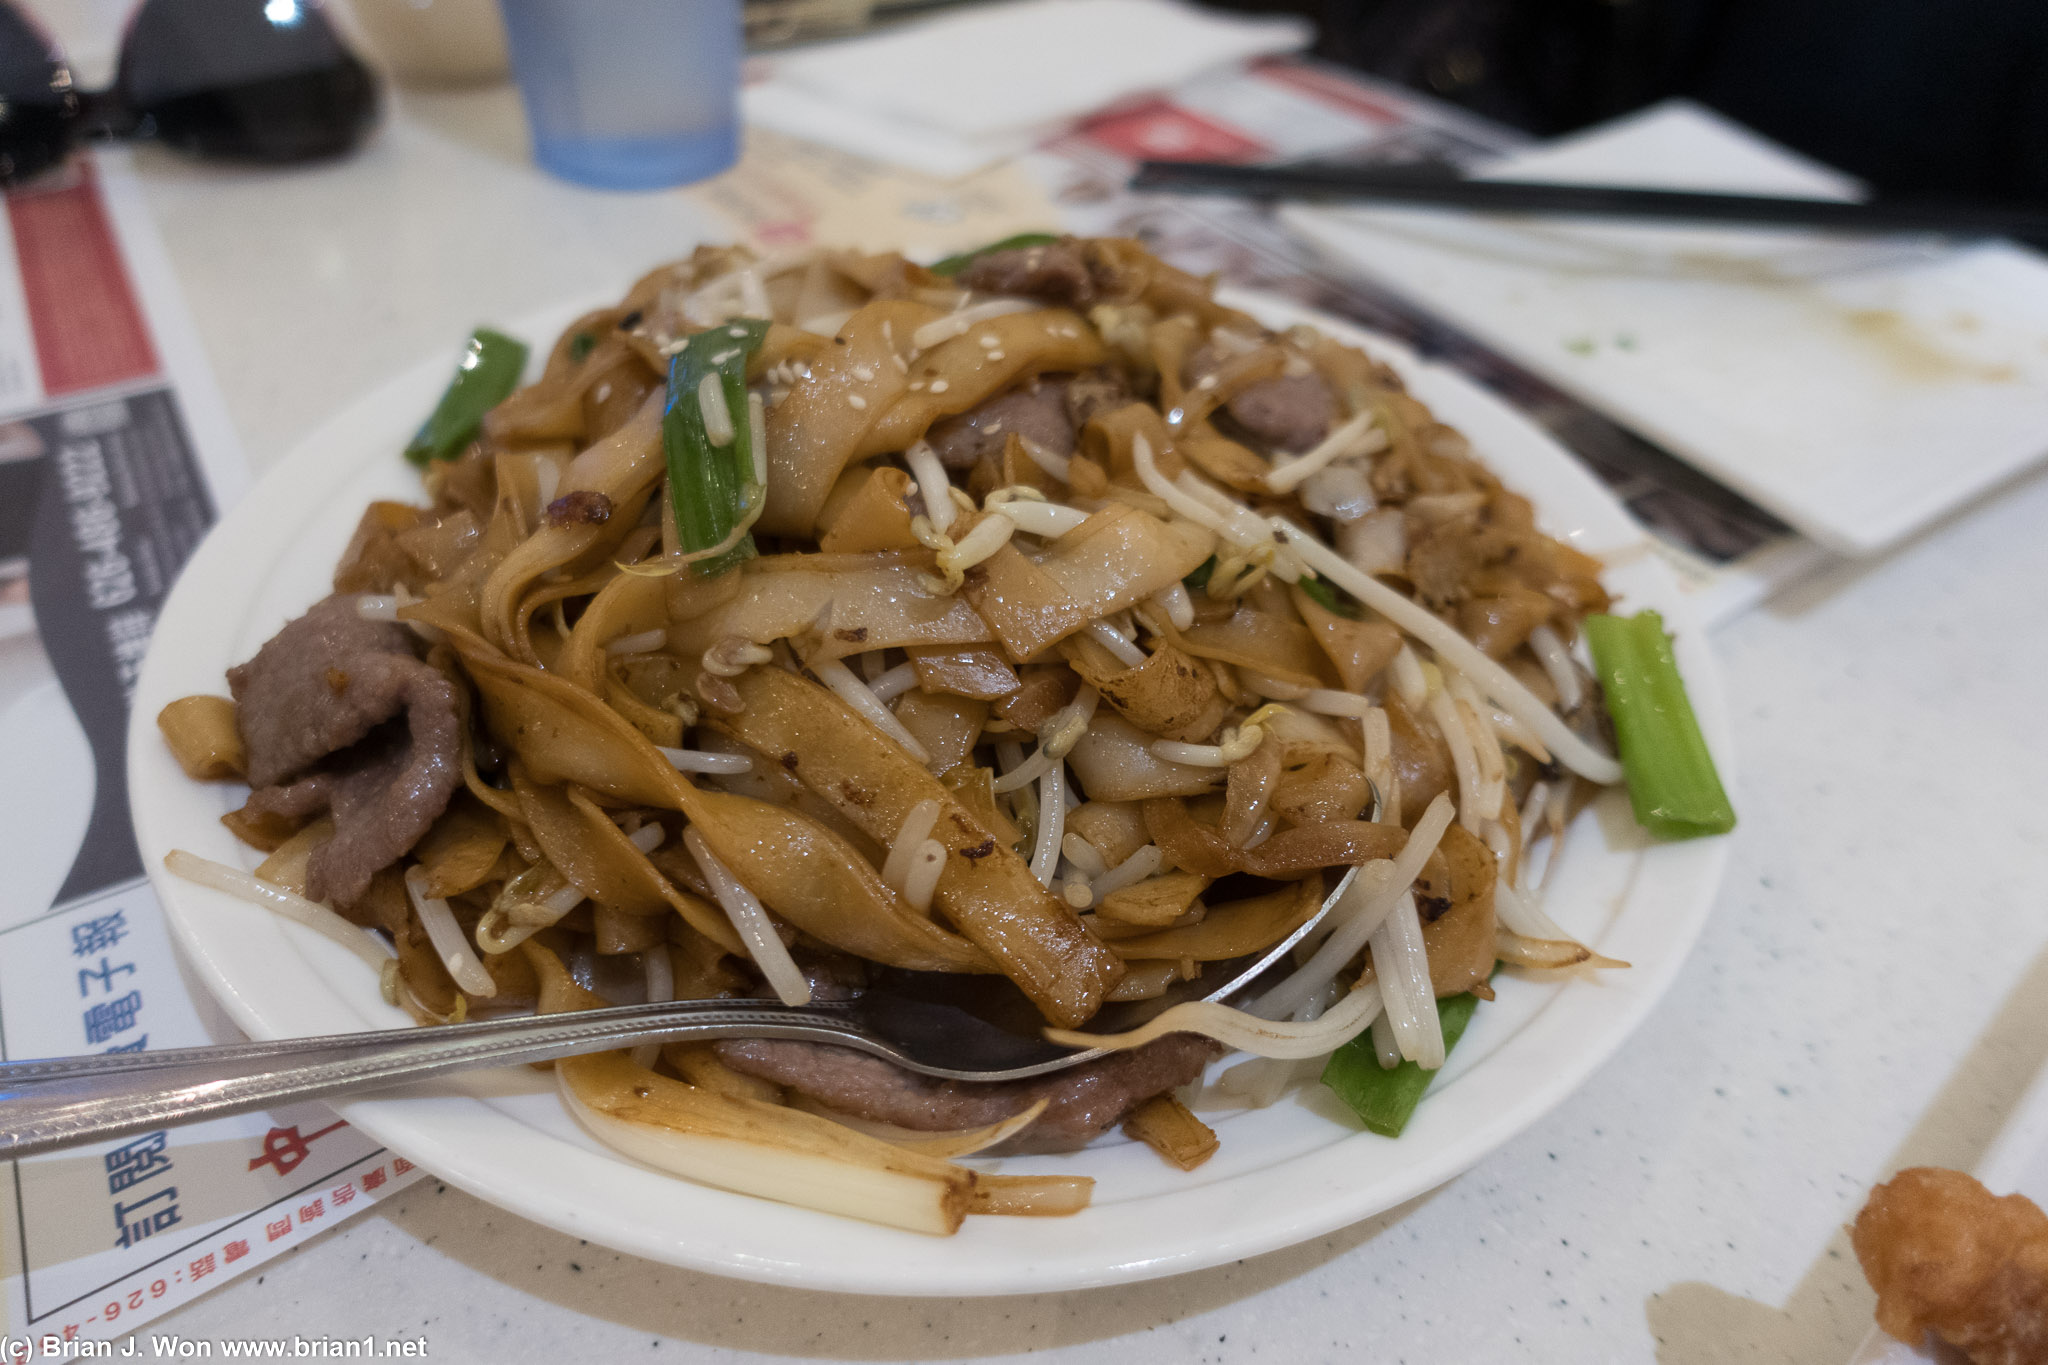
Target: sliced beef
[339,714]
[1057,272]
[1083,1102]
[1289,412]
[1037,411]
[383,800]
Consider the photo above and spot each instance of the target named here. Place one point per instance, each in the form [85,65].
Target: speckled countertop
[1871,991]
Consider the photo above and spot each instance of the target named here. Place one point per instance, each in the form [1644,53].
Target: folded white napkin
[1859,388]
[959,92]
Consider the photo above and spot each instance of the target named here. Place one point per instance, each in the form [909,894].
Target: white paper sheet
[970,88]
[115,456]
[1858,388]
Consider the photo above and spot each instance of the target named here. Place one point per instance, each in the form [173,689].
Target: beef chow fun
[1032,623]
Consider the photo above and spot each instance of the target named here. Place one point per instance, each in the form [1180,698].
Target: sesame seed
[863,373]
[859,403]
[739,333]
[995,355]
[917,386]
[1207,381]
[723,356]
[939,386]
[990,340]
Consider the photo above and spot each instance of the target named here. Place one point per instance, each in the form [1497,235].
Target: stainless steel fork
[64,1102]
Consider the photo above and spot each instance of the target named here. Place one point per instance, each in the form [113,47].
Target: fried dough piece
[1946,1255]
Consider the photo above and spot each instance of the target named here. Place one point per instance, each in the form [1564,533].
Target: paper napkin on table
[953,94]
[1858,388]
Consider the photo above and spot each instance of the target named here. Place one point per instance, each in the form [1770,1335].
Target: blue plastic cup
[629,94]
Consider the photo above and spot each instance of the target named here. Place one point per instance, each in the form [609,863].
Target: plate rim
[427,1128]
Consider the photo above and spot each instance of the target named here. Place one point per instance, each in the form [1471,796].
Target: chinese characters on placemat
[107,484]
[123,505]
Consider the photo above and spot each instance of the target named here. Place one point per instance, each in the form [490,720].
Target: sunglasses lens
[263,80]
[38,109]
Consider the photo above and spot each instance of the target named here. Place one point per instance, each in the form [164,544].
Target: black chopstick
[1398,185]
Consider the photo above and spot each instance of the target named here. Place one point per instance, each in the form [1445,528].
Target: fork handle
[49,1105]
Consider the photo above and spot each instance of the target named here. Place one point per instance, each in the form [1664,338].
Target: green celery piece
[1672,783]
[580,347]
[953,265]
[1386,1098]
[490,369]
[711,485]
[1198,577]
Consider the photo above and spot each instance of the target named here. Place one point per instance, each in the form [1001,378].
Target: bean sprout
[289,904]
[893,683]
[1178,606]
[1557,662]
[941,330]
[910,835]
[641,642]
[1491,679]
[1107,636]
[1052,823]
[447,937]
[1141,864]
[699,761]
[1401,966]
[855,693]
[750,918]
[661,986]
[1356,437]
[1049,519]
[926,864]
[933,487]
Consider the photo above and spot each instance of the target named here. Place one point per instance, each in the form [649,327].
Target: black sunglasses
[254,80]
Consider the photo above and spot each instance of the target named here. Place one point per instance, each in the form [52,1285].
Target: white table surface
[1871,992]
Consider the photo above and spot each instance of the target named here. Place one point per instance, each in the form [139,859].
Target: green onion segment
[1329,596]
[953,265]
[491,366]
[712,486]
[1672,783]
[1384,1098]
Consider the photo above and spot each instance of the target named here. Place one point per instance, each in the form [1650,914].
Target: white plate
[1297,1170]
